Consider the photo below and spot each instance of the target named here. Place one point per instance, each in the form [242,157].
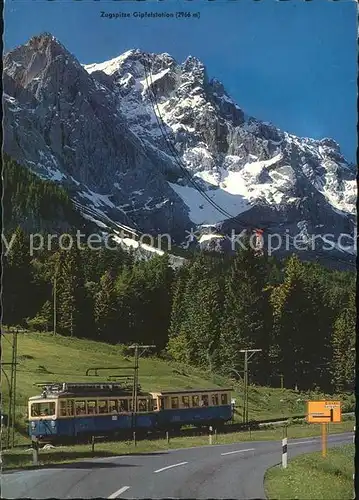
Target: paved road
[219,471]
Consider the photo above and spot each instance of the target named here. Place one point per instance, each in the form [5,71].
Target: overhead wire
[177,159]
[183,168]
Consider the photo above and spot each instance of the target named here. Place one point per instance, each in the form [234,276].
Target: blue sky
[292,62]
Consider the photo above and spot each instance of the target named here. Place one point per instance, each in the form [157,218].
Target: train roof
[84,389]
[53,390]
[192,391]
[77,395]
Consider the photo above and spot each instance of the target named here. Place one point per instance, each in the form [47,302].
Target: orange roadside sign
[320,412]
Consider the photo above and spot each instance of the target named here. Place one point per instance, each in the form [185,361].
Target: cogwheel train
[80,410]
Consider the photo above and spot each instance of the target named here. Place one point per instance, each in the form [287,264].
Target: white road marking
[237,451]
[170,467]
[304,442]
[119,492]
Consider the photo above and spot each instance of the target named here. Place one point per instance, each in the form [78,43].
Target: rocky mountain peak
[45,41]
[41,62]
[191,63]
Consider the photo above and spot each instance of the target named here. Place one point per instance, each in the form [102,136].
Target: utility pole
[9,411]
[12,392]
[137,355]
[56,272]
[54,292]
[135,385]
[10,422]
[354,435]
[14,365]
[245,379]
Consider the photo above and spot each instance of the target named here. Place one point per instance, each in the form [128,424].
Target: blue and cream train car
[199,407]
[73,410]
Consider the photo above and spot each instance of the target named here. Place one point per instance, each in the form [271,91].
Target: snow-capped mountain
[155,144]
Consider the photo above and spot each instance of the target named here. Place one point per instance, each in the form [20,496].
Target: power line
[174,152]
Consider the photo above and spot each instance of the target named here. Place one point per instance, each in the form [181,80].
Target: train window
[204,400]
[63,408]
[112,406]
[43,409]
[142,405]
[195,400]
[35,410]
[224,399]
[70,407]
[91,407]
[122,405]
[130,404]
[214,399]
[80,407]
[102,406]
[174,402]
[185,401]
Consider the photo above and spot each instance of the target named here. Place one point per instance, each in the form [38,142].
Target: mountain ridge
[159,146]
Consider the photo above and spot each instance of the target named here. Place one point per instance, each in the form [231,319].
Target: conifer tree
[105,309]
[245,310]
[210,305]
[18,294]
[159,279]
[70,293]
[46,312]
[177,346]
[301,326]
[192,320]
[343,343]
[196,312]
[43,319]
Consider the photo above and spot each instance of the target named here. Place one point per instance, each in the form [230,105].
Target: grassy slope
[42,358]
[312,477]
